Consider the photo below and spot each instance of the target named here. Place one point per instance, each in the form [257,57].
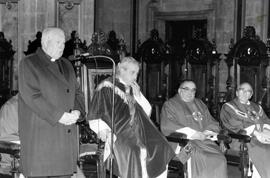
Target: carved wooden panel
[68,18]
[90,78]
[9,25]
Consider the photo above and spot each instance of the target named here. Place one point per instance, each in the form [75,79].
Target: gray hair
[126,60]
[48,34]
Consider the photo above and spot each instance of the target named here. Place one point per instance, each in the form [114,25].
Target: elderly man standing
[50,102]
[140,150]
[246,117]
[186,114]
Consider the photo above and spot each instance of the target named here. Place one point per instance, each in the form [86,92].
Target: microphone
[88,56]
[82,55]
[81,120]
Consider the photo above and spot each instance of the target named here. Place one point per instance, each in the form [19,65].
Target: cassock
[236,116]
[134,131]
[207,160]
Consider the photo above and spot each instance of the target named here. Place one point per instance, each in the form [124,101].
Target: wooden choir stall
[163,68]
[200,63]
[91,69]
[248,61]
[6,70]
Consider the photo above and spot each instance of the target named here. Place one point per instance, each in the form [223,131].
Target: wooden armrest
[9,148]
[224,136]
[179,138]
[240,137]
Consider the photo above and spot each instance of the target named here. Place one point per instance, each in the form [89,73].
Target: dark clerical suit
[47,90]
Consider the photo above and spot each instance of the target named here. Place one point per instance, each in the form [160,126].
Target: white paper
[97,125]
[250,129]
[188,131]
[107,148]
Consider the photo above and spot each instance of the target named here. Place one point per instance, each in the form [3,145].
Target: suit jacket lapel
[53,67]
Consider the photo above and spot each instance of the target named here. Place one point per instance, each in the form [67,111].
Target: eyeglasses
[245,91]
[186,89]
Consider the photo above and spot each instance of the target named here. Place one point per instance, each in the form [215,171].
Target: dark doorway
[176,31]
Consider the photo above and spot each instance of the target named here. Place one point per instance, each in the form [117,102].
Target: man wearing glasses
[246,117]
[186,114]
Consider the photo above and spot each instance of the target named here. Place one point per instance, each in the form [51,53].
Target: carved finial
[231,44]
[268,47]
[249,32]
[214,49]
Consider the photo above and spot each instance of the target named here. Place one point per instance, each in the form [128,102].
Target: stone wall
[114,15]
[222,17]
[24,18]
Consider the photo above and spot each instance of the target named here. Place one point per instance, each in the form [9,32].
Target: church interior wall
[25,17]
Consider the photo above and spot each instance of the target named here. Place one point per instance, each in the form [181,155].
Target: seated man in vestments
[8,130]
[186,114]
[246,117]
[140,150]
[9,119]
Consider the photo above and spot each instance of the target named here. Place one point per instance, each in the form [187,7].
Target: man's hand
[210,135]
[76,112]
[104,134]
[69,118]
[263,137]
[135,89]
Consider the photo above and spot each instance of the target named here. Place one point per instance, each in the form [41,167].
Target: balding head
[246,86]
[127,70]
[187,90]
[53,42]
[244,92]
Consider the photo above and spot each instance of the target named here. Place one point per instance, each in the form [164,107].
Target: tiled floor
[233,172]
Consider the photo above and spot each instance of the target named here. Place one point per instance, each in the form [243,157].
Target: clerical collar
[127,88]
[122,81]
[49,57]
[248,103]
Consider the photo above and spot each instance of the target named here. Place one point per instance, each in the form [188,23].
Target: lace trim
[117,90]
[245,115]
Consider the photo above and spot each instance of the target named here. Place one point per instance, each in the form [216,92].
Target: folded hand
[135,89]
[69,118]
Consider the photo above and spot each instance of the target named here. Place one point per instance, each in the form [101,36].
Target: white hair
[126,60]
[49,34]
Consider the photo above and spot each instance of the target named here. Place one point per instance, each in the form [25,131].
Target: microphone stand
[112,114]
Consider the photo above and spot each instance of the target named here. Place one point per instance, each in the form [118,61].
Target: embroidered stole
[247,113]
[193,110]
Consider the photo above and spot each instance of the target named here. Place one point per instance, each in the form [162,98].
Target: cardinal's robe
[134,131]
